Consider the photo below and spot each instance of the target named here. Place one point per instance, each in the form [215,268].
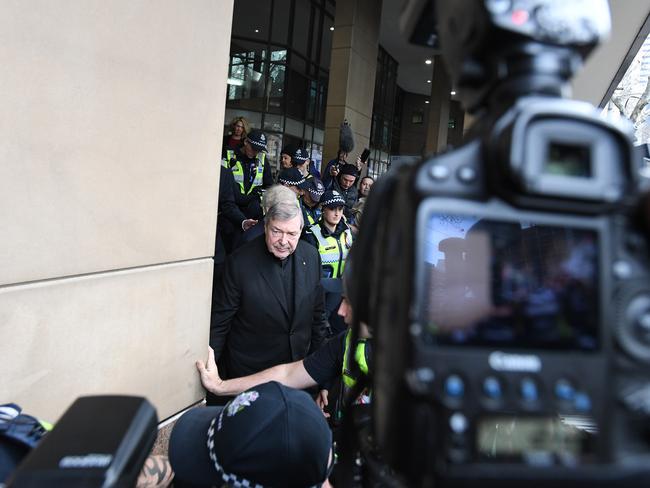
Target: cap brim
[188,450]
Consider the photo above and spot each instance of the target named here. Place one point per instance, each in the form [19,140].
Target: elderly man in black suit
[269,309]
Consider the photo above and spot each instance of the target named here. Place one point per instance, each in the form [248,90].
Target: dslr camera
[508,289]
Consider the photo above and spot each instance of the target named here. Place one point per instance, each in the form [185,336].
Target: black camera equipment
[508,289]
[99,441]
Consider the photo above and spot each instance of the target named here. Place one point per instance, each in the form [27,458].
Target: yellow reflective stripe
[333,251]
[359,356]
[348,380]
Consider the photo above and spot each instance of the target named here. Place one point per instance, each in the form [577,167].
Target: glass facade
[278,72]
[386,105]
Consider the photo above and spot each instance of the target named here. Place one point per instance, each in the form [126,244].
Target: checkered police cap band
[317,192]
[229,478]
[333,201]
[257,139]
[300,155]
[287,182]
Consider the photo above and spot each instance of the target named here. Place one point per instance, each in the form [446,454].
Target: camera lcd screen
[536,440]
[568,160]
[510,284]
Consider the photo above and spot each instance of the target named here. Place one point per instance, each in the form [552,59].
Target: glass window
[273,123]
[290,140]
[309,130]
[275,102]
[296,99]
[298,63]
[253,118]
[330,7]
[251,19]
[246,82]
[312,101]
[273,148]
[322,99]
[301,25]
[326,43]
[280,32]
[319,136]
[317,155]
[315,34]
[294,127]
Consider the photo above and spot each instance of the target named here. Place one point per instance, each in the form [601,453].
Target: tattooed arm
[156,472]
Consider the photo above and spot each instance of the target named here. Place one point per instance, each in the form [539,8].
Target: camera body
[526,324]
[517,348]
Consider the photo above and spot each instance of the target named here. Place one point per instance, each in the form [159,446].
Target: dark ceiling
[413,72]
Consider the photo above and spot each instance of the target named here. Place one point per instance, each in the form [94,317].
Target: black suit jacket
[227,211]
[251,329]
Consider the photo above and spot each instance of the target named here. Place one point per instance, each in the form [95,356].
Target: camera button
[582,402]
[564,390]
[454,386]
[458,423]
[528,390]
[466,174]
[622,269]
[492,388]
[439,172]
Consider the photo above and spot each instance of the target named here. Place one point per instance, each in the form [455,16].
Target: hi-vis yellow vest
[333,251]
[238,171]
[349,377]
[349,380]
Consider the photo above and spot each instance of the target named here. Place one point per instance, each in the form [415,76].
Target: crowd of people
[281,357]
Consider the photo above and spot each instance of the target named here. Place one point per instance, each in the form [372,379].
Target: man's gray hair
[277,194]
[284,210]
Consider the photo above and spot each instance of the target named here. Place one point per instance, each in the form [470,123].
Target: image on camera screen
[568,160]
[510,284]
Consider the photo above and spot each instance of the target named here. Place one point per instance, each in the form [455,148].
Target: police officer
[251,171]
[300,160]
[331,234]
[312,192]
[293,179]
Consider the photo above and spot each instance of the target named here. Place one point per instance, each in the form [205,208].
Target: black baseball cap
[270,435]
[349,169]
[257,139]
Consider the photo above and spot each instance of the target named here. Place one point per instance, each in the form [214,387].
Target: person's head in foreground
[267,436]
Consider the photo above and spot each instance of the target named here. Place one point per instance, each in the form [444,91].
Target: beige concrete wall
[353,68]
[112,119]
[593,80]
